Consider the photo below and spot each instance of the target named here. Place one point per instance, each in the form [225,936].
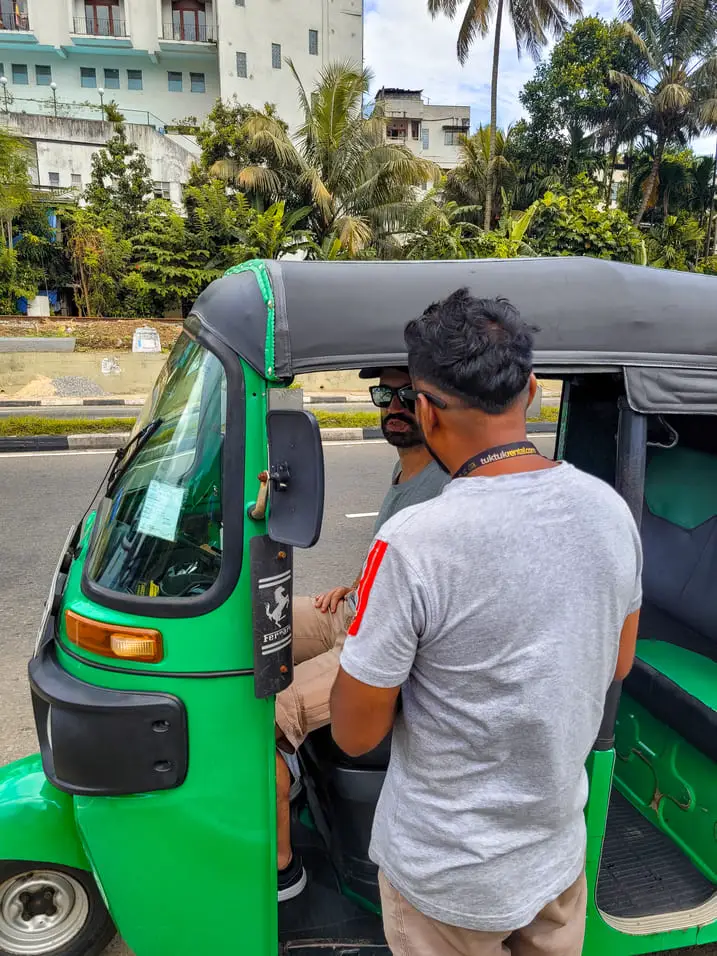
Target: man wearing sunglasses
[501,613]
[321,622]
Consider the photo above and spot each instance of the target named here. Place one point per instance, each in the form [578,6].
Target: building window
[189,20]
[19,74]
[425,138]
[174,82]
[276,55]
[76,181]
[452,137]
[43,75]
[241,65]
[134,79]
[314,42]
[198,83]
[161,190]
[112,80]
[239,3]
[102,19]
[415,129]
[88,77]
[53,179]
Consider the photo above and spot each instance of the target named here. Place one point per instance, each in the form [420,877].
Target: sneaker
[292,879]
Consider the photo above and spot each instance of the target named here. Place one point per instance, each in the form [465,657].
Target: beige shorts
[558,930]
[318,639]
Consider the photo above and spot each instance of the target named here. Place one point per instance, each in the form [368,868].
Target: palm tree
[678,85]
[360,188]
[467,184]
[533,22]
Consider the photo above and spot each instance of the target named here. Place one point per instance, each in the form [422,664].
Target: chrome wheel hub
[40,912]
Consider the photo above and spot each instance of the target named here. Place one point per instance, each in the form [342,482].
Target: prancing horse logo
[282,602]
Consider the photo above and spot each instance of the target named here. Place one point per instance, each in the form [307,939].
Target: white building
[431,131]
[163,61]
[62,151]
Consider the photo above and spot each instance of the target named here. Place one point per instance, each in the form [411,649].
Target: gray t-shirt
[498,607]
[422,487]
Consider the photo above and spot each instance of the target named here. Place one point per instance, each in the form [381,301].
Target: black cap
[378,371]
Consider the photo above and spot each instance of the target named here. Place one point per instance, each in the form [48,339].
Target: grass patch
[548,413]
[28,425]
[347,419]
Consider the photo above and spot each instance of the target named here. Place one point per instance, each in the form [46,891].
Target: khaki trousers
[318,639]
[558,930]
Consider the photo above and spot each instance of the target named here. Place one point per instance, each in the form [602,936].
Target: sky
[404,47]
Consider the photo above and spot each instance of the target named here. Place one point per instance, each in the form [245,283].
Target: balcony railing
[9,20]
[95,27]
[189,32]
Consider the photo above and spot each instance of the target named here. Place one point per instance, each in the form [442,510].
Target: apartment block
[168,59]
[429,130]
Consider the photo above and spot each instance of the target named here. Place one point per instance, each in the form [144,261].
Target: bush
[574,224]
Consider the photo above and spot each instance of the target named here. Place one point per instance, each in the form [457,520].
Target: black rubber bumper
[99,742]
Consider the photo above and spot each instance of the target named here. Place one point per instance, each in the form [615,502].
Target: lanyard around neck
[517,449]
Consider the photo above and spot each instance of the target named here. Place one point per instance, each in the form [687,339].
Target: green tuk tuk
[151,805]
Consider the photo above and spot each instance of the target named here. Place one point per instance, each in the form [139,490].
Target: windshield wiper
[126,454]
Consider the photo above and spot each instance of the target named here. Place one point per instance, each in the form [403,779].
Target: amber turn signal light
[112,640]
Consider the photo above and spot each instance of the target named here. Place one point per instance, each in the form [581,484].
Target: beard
[409,438]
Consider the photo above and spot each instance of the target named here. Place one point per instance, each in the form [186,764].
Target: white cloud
[405,48]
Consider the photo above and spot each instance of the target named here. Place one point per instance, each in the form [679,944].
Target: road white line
[344,444]
[364,514]
[54,454]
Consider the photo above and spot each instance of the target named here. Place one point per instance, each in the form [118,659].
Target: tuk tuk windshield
[158,531]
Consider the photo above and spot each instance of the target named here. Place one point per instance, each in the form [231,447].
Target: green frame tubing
[215,836]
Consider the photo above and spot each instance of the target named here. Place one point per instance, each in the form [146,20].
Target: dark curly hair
[478,350]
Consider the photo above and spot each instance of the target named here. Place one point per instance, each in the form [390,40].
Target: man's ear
[425,415]
[532,388]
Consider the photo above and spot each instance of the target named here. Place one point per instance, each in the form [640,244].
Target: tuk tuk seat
[675,672]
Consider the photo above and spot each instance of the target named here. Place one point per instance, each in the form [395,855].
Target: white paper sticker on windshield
[161,510]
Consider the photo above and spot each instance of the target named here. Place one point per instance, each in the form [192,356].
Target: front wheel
[49,910]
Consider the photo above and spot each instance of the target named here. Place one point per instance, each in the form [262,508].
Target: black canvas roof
[334,315]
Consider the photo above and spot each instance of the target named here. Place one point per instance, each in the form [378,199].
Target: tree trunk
[612,160]
[649,186]
[488,212]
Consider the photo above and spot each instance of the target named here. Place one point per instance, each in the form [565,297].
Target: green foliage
[676,243]
[15,281]
[120,184]
[573,224]
[170,269]
[15,192]
[359,188]
[99,261]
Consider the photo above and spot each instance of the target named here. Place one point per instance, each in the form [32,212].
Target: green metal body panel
[165,859]
[669,781]
[37,821]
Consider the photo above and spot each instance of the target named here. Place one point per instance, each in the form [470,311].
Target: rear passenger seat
[675,672]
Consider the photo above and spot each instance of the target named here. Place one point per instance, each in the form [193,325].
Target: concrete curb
[69,402]
[113,440]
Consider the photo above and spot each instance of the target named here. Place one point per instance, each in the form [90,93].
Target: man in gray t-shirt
[502,611]
[320,623]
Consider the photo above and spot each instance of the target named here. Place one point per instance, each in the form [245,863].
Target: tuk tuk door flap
[272,577]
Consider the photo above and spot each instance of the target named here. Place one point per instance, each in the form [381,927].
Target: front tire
[50,910]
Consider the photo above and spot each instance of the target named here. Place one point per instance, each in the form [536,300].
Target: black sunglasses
[383,395]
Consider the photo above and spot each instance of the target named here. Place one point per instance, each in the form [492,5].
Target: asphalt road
[41,495]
